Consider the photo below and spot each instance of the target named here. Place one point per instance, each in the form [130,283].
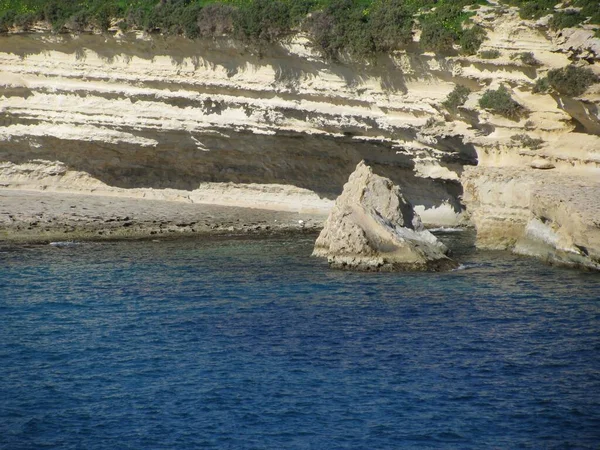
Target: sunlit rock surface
[208,121]
[373,228]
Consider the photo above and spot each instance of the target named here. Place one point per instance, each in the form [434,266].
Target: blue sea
[240,343]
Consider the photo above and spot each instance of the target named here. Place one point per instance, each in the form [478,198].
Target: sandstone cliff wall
[171,113]
[208,121]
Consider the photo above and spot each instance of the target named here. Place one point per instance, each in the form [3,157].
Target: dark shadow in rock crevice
[182,160]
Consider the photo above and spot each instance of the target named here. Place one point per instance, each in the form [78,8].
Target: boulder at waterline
[373,228]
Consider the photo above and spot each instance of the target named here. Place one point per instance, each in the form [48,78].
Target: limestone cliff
[127,113]
[209,122]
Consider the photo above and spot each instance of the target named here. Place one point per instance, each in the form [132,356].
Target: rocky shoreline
[42,217]
[154,129]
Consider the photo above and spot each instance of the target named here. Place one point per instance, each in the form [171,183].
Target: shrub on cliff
[78,21]
[262,20]
[444,26]
[7,19]
[57,13]
[456,98]
[528,141]
[589,12]
[566,19]
[471,39]
[534,9]
[342,26]
[390,23]
[165,16]
[526,58]
[216,20]
[101,16]
[541,86]
[441,27]
[490,54]
[436,38]
[299,10]
[320,26]
[190,26]
[571,80]
[590,9]
[500,102]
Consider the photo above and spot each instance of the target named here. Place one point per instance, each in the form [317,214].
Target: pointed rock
[373,228]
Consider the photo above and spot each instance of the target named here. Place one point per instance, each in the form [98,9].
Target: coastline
[28,217]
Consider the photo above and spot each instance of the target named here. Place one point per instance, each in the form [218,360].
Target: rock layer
[550,215]
[373,228]
[176,114]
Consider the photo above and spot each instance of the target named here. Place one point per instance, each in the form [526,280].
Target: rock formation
[554,216]
[373,228]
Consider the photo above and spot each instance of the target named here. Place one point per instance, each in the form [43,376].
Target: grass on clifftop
[360,28]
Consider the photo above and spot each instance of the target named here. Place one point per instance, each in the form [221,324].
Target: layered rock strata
[543,213]
[169,113]
[373,228]
[209,122]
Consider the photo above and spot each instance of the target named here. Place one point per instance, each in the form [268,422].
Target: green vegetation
[471,39]
[534,9]
[571,80]
[343,25]
[456,98]
[589,11]
[391,24]
[489,54]
[526,58]
[541,86]
[500,102]
[444,25]
[435,38]
[527,141]
[529,59]
[262,20]
[566,19]
[360,28]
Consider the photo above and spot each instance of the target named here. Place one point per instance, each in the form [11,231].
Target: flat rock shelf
[29,216]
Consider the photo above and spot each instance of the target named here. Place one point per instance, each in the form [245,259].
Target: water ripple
[253,344]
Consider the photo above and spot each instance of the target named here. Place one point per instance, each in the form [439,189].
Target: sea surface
[238,343]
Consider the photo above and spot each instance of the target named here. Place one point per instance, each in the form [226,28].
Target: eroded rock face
[564,226]
[373,228]
[552,216]
[166,114]
[207,121]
